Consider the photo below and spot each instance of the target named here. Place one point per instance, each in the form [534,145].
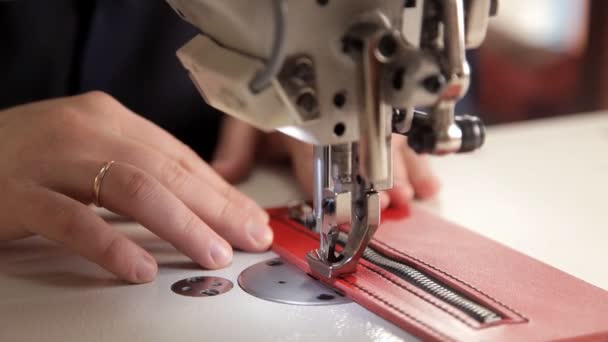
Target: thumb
[235,153]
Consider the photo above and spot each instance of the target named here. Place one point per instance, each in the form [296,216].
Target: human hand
[53,150]
[412,173]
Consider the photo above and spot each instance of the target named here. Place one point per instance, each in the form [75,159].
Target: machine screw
[303,71]
[298,81]
[307,102]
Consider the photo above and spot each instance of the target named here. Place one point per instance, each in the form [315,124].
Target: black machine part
[422,137]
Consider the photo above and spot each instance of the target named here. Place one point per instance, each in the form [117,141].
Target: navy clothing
[123,47]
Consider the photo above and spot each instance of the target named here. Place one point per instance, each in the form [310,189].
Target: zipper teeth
[422,281]
[432,286]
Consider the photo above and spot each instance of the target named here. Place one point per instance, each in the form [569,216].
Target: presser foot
[328,263]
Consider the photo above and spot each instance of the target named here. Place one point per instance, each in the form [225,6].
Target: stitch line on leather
[300,230]
[289,223]
[429,300]
[423,325]
[496,301]
[420,323]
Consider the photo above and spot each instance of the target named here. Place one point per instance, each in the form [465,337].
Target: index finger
[132,192]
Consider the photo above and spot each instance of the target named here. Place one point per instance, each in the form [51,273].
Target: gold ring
[98,180]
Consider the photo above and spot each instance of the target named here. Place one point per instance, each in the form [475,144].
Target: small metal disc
[202,286]
[276,281]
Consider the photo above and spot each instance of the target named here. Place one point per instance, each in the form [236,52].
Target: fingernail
[260,214]
[263,215]
[385,200]
[260,234]
[146,269]
[427,188]
[220,254]
[407,192]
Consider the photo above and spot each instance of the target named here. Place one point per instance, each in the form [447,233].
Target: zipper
[428,284]
[302,213]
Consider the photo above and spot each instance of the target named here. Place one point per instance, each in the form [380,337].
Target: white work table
[538,187]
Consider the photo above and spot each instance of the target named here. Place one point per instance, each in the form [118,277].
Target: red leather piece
[537,301]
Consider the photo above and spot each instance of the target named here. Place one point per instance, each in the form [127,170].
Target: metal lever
[422,138]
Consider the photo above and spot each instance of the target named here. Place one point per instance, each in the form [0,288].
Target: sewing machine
[342,75]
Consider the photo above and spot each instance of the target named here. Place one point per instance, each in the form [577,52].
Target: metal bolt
[303,71]
[308,102]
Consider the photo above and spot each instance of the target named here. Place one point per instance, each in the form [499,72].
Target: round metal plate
[202,286]
[280,282]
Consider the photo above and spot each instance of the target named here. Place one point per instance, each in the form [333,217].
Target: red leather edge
[538,302]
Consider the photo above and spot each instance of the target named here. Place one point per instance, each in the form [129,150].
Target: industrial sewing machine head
[342,75]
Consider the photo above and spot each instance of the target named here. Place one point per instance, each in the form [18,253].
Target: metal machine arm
[342,75]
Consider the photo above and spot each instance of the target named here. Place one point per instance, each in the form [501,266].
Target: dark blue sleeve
[123,47]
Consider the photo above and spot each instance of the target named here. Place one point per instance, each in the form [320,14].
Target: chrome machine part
[276,281]
[476,21]
[363,205]
[342,75]
[450,27]
[457,73]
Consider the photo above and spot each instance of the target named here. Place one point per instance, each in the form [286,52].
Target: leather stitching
[494,300]
[403,313]
[438,305]
[290,224]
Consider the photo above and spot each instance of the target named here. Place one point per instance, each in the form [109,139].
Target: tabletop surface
[539,187]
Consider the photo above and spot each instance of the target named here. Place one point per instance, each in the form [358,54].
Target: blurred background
[541,58]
